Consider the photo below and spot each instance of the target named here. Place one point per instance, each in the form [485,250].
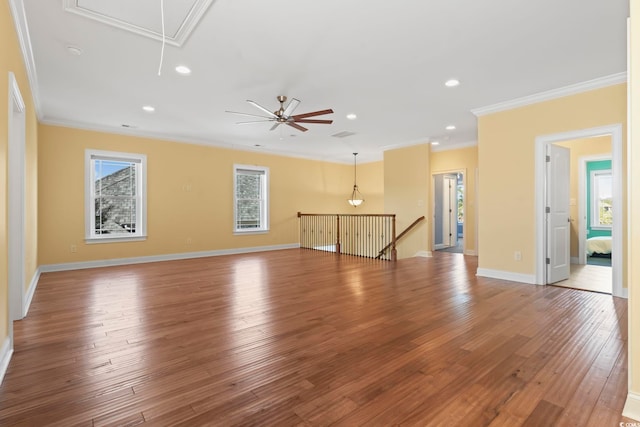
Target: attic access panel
[143,17]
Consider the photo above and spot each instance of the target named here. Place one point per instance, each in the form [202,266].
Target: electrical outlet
[73,249]
[517,255]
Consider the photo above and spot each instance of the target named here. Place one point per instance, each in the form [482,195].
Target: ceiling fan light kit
[284,115]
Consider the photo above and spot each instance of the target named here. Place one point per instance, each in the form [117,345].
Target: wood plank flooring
[306,338]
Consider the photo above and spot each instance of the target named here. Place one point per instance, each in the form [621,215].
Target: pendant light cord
[163,36]
[355,170]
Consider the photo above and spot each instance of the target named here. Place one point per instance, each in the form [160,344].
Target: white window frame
[595,212]
[140,161]
[264,208]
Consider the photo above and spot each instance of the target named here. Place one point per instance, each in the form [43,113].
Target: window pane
[115,215]
[248,212]
[604,197]
[115,178]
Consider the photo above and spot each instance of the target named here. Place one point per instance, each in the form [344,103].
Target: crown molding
[22,31]
[573,89]
[449,147]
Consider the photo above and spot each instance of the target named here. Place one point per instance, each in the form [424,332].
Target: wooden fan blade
[324,122]
[275,125]
[315,113]
[300,128]
[247,114]
[292,106]
[255,104]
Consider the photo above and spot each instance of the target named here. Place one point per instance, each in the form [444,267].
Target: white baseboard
[632,407]
[470,252]
[507,275]
[424,254]
[158,258]
[575,260]
[5,357]
[30,292]
[438,246]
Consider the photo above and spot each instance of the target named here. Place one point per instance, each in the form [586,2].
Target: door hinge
[548,261]
[548,159]
[547,209]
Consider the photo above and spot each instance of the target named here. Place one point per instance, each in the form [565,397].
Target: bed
[599,245]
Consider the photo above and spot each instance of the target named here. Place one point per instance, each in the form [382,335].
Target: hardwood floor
[595,278]
[306,338]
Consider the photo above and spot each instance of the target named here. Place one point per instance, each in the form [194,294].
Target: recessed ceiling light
[435,143]
[352,116]
[149,108]
[450,127]
[183,69]
[452,83]
[74,50]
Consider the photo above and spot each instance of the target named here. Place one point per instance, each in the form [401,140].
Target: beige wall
[204,214]
[506,161]
[581,148]
[465,160]
[11,61]
[407,183]
[632,408]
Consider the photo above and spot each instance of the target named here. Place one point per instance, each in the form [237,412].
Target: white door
[557,213]
[449,211]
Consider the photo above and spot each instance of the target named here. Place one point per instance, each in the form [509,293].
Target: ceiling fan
[283,115]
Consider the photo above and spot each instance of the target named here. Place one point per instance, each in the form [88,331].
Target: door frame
[582,202]
[615,131]
[16,207]
[462,171]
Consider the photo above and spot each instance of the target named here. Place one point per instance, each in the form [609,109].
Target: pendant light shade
[356,198]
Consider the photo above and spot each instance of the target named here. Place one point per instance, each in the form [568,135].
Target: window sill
[601,227]
[94,240]
[243,232]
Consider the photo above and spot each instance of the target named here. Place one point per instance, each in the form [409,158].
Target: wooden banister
[392,243]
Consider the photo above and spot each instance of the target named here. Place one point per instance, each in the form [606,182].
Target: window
[601,198]
[251,199]
[115,196]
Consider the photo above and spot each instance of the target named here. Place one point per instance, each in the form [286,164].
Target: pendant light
[356,198]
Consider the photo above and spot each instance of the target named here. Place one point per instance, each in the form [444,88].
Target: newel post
[394,253]
[338,234]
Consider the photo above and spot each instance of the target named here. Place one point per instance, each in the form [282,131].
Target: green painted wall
[595,166]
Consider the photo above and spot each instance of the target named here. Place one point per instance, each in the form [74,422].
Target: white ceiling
[384,61]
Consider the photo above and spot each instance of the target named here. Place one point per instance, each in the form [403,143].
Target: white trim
[529,279]
[16,211]
[140,162]
[582,202]
[6,351]
[573,89]
[470,252]
[31,292]
[159,258]
[541,142]
[22,31]
[424,254]
[438,246]
[182,139]
[263,172]
[453,146]
[574,260]
[632,407]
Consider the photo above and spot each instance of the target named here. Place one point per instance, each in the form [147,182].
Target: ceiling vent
[343,134]
[143,16]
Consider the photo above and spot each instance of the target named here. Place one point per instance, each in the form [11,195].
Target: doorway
[543,189]
[448,211]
